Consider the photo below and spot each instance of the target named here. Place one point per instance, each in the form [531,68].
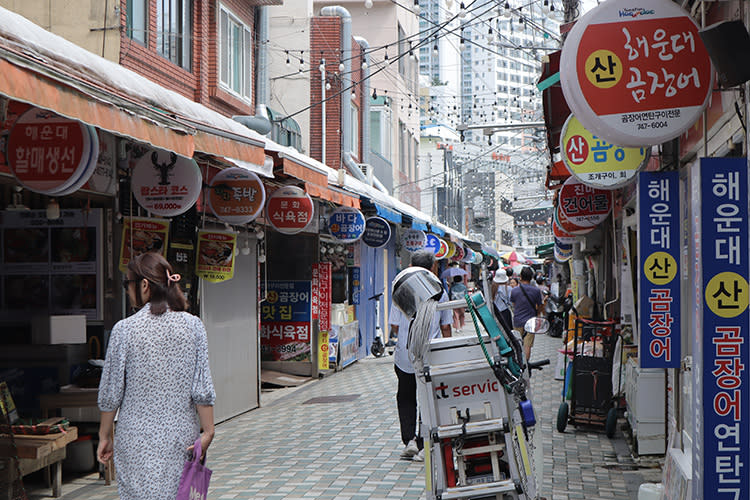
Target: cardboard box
[68,329]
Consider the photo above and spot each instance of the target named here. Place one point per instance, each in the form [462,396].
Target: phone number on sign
[644,126]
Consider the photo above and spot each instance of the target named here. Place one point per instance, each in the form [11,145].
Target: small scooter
[378,347]
[556,311]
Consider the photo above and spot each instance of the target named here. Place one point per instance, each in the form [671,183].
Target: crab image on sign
[636,72]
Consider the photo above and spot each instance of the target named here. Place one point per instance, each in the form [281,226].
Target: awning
[436,230]
[263,170]
[558,173]
[25,85]
[418,224]
[335,196]
[556,109]
[215,144]
[388,213]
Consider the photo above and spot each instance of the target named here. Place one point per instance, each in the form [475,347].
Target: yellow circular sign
[603,69]
[727,295]
[660,268]
[451,250]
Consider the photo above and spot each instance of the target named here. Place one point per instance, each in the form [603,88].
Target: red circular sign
[636,73]
[577,150]
[562,235]
[583,205]
[236,195]
[568,226]
[290,210]
[443,250]
[46,152]
[459,253]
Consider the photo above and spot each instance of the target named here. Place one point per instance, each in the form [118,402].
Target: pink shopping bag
[195,477]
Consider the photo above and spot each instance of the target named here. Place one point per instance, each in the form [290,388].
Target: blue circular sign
[346,224]
[433,244]
[377,232]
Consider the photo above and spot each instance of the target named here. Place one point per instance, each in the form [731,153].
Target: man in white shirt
[406,396]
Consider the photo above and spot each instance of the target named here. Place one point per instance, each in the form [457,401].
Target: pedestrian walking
[527,303]
[501,300]
[406,394]
[457,291]
[156,374]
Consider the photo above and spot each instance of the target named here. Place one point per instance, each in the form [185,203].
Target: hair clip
[172,278]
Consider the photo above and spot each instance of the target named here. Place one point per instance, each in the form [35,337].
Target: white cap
[500,276]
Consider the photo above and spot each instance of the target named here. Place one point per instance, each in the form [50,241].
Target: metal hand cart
[589,377]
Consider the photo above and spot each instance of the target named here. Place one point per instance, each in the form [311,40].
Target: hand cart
[588,377]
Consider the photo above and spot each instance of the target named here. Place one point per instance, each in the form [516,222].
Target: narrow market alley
[337,438]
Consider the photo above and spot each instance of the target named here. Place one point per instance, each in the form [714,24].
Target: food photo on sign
[141,235]
[215,259]
[635,74]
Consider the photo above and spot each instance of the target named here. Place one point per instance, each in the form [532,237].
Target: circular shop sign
[459,254]
[468,255]
[48,153]
[451,250]
[166,184]
[584,205]
[289,210]
[377,232]
[562,255]
[236,195]
[346,224]
[432,244]
[414,240]
[596,162]
[561,235]
[636,73]
[568,226]
[443,250]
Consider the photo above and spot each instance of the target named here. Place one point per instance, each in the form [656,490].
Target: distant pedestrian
[527,302]
[541,284]
[501,300]
[156,374]
[457,292]
[406,395]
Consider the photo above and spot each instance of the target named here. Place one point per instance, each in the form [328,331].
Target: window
[235,55]
[402,51]
[136,20]
[380,131]
[174,29]
[355,130]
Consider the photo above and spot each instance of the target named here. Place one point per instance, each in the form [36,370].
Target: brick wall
[201,83]
[325,43]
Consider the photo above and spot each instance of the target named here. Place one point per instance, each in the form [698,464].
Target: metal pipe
[365,101]
[323,110]
[346,75]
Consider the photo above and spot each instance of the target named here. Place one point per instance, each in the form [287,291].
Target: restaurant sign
[377,232]
[166,184]
[596,162]
[236,195]
[636,72]
[725,351]
[433,244]
[443,250]
[346,224]
[414,240]
[290,210]
[659,253]
[215,262]
[582,205]
[285,333]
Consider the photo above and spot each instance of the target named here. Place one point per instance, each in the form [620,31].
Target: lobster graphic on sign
[165,168]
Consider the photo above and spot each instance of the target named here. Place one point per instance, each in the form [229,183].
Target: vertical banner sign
[323,349]
[324,296]
[285,321]
[659,247]
[315,298]
[726,388]
[356,285]
[140,235]
[215,262]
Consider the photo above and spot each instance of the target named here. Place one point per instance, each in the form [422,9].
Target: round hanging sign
[236,195]
[584,205]
[346,224]
[563,246]
[568,226]
[451,250]
[48,153]
[561,235]
[414,240]
[468,255]
[88,172]
[443,250]
[562,255]
[290,210]
[636,73]
[459,253]
[433,244]
[166,184]
[597,163]
[377,232]
[478,258]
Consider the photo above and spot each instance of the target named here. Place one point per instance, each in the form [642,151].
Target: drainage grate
[344,398]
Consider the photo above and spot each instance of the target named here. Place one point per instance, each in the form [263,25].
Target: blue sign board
[356,274]
[433,243]
[659,255]
[377,232]
[346,224]
[726,345]
[287,301]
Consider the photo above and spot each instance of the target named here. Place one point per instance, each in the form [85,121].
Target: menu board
[48,265]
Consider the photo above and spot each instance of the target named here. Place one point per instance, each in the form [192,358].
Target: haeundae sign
[289,210]
[582,205]
[236,195]
[636,72]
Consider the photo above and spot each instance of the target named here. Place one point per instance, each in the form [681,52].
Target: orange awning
[304,173]
[329,194]
[217,145]
[25,85]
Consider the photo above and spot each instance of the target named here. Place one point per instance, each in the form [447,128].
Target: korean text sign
[726,395]
[324,295]
[215,259]
[347,224]
[636,73]
[285,333]
[659,253]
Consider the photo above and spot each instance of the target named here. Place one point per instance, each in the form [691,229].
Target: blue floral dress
[156,372]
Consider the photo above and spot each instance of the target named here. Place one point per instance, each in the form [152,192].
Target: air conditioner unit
[367,170]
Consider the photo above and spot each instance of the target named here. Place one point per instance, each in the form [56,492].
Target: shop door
[366,307]
[230,312]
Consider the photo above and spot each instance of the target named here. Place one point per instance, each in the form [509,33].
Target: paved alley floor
[337,438]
